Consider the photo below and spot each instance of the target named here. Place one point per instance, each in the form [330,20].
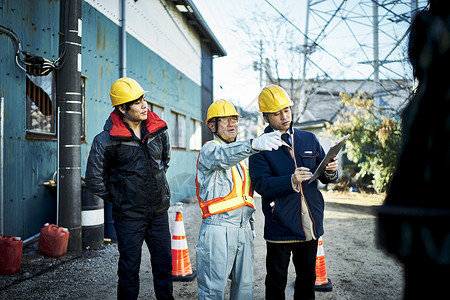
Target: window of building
[159,110]
[41,111]
[195,141]
[41,107]
[178,130]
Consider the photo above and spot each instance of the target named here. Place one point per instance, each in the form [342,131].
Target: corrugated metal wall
[28,163]
[168,86]
[174,83]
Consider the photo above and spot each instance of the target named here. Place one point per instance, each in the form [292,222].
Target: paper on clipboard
[334,150]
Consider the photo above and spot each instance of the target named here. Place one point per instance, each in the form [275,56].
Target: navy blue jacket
[271,173]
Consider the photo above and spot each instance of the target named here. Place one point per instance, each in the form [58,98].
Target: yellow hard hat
[273,98]
[124,90]
[221,108]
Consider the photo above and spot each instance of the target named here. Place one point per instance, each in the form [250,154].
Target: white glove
[268,141]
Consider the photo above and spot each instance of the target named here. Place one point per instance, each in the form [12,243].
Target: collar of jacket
[270,129]
[217,137]
[117,127]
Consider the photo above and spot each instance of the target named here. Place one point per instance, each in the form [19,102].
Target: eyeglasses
[224,120]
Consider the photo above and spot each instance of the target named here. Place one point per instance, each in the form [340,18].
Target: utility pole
[414,5]
[69,134]
[300,107]
[376,59]
[261,64]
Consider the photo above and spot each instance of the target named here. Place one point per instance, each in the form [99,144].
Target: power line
[289,21]
[329,21]
[357,17]
[392,12]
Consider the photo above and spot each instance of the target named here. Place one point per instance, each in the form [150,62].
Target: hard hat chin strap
[126,114]
[218,135]
[130,118]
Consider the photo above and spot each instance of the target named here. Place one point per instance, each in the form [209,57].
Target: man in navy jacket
[293,209]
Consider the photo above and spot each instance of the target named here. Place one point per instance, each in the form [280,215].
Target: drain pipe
[2,115]
[31,239]
[123,43]
[58,134]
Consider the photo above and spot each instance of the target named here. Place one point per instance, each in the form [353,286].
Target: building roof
[323,102]
[195,19]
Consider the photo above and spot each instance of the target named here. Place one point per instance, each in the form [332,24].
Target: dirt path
[358,269]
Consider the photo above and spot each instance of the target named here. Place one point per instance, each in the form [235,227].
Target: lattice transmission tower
[355,45]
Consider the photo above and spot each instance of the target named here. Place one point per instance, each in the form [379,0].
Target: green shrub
[375,141]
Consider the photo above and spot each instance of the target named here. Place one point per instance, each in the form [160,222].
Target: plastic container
[10,254]
[53,240]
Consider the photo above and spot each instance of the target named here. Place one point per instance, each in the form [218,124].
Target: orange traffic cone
[181,264]
[323,284]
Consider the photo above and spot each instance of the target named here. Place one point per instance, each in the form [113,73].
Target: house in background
[323,103]
[169,51]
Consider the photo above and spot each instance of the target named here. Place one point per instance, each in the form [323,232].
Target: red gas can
[53,240]
[10,254]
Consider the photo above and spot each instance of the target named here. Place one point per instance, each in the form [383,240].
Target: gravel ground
[358,269]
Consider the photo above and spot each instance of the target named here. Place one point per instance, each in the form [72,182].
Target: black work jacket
[128,172]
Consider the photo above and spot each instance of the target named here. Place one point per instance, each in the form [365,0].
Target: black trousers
[130,237]
[277,263]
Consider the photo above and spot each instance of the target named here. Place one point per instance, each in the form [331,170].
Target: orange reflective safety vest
[240,195]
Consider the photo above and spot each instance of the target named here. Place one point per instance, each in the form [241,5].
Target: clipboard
[334,150]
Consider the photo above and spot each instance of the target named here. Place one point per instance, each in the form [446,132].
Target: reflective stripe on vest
[240,195]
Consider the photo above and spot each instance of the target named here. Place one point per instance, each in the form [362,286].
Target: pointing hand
[268,141]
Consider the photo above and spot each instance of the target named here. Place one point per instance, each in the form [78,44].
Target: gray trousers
[224,253]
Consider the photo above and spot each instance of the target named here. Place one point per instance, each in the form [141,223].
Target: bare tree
[276,48]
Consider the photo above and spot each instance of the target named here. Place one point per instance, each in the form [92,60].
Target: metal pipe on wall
[58,122]
[2,121]
[300,107]
[123,42]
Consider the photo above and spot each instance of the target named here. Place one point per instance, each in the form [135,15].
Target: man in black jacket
[126,166]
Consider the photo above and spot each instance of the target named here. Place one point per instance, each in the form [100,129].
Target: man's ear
[266,117]
[121,109]
[212,126]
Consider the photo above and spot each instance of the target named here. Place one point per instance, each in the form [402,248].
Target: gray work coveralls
[225,244]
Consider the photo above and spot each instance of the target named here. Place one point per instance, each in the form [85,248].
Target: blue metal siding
[173,90]
[100,63]
[167,87]
[39,206]
[27,203]
[207,93]
[28,163]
